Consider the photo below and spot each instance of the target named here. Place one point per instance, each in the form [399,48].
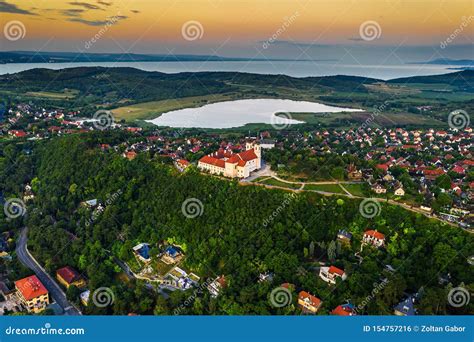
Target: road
[54,290]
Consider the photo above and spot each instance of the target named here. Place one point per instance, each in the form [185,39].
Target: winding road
[29,261]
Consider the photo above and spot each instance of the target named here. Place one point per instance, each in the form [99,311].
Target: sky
[299,29]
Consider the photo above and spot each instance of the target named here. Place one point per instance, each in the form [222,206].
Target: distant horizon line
[199,57]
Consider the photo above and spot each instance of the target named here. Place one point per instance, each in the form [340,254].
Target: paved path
[54,290]
[348,194]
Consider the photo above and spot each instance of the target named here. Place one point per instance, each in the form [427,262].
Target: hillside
[93,88]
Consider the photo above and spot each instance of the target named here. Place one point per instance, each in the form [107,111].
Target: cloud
[294,43]
[10,8]
[105,3]
[72,12]
[97,22]
[356,39]
[86,5]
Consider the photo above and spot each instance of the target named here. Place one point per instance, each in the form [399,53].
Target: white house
[330,274]
[374,238]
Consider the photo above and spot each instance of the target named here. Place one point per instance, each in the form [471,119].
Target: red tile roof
[343,311]
[314,301]
[30,287]
[69,274]
[212,161]
[334,269]
[436,172]
[375,234]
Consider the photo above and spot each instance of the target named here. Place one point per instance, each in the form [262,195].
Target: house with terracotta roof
[308,303]
[233,165]
[68,276]
[374,238]
[344,310]
[216,286]
[330,274]
[32,294]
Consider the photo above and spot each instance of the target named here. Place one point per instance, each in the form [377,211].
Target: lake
[290,68]
[238,113]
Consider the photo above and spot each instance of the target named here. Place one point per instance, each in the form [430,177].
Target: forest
[231,237]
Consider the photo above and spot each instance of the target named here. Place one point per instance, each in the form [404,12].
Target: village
[30,294]
[429,170]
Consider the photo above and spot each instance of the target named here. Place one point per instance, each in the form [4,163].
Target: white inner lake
[238,113]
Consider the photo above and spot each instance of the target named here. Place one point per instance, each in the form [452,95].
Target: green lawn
[334,188]
[153,109]
[275,182]
[355,189]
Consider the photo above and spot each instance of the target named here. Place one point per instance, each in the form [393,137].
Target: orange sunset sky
[156,25]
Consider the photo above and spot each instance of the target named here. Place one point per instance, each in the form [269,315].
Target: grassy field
[152,110]
[355,189]
[275,182]
[66,94]
[334,188]
[361,117]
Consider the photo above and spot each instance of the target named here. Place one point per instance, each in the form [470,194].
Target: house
[433,174]
[68,276]
[130,155]
[17,133]
[406,307]
[399,191]
[233,165]
[28,194]
[216,286]
[308,303]
[90,203]
[182,164]
[32,294]
[378,189]
[267,276]
[172,255]
[267,144]
[374,238]
[354,174]
[85,297]
[330,274]
[344,310]
[142,252]
[344,236]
